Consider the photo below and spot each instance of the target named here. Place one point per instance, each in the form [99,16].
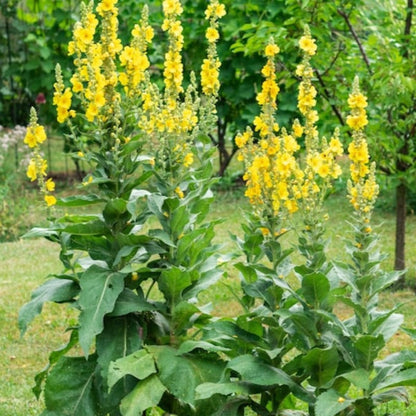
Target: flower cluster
[134,58]
[362,188]
[271,166]
[277,181]
[113,82]
[173,67]
[210,67]
[321,157]
[37,169]
[96,77]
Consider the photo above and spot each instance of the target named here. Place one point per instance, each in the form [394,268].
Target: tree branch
[356,38]
[408,26]
[329,96]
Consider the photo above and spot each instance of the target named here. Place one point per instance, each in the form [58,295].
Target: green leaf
[96,227]
[173,282]
[207,390]
[146,394]
[402,378]
[162,236]
[386,324]
[54,290]
[119,338]
[69,387]
[399,394]
[53,358]
[100,289]
[367,349]
[322,365]
[315,288]
[182,374]
[139,364]
[254,370]
[114,209]
[79,200]
[331,403]
[191,345]
[129,302]
[360,378]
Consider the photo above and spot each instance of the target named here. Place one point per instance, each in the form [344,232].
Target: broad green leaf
[119,338]
[360,378]
[399,394]
[315,288]
[69,387]
[114,209]
[322,365]
[402,378]
[139,364]
[172,282]
[207,390]
[386,324]
[191,345]
[331,403]
[37,232]
[182,374]
[367,349]
[254,370]
[145,395]
[96,227]
[130,302]
[100,289]
[54,290]
[54,357]
[162,236]
[79,200]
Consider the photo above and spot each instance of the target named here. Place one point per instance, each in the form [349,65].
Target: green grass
[25,264]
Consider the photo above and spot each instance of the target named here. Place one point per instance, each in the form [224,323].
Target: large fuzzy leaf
[54,290]
[139,364]
[182,374]
[69,387]
[331,403]
[254,370]
[146,394]
[321,364]
[100,289]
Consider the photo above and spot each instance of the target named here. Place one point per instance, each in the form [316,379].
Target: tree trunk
[399,257]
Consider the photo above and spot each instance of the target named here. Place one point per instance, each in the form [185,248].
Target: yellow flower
[31,171]
[357,122]
[308,45]
[271,50]
[188,160]
[50,200]
[357,101]
[212,34]
[50,185]
[179,192]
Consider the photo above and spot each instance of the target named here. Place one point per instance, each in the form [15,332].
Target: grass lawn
[25,264]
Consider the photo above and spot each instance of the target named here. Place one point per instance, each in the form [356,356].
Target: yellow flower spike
[362,188]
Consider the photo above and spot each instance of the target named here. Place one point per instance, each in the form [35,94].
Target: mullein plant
[289,345]
[135,269]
